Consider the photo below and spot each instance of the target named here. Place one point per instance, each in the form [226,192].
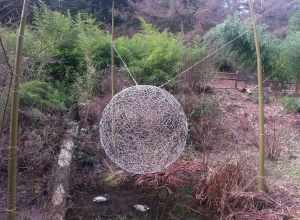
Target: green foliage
[294,22]
[291,54]
[50,29]
[291,47]
[291,104]
[9,37]
[41,95]
[70,53]
[242,49]
[56,42]
[154,57]
[286,66]
[63,50]
[280,58]
[92,41]
[95,47]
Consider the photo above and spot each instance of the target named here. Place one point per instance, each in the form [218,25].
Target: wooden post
[261,175]
[182,30]
[14,125]
[113,71]
[236,79]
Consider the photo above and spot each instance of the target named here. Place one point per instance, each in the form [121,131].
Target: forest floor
[235,141]
[92,174]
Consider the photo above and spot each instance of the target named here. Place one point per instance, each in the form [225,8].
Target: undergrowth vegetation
[41,95]
[153,56]
[71,54]
[291,104]
[278,55]
[226,189]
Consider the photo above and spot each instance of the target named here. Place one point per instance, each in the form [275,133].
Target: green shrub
[56,46]
[9,36]
[154,57]
[287,65]
[50,29]
[92,41]
[242,49]
[95,46]
[62,51]
[70,53]
[41,95]
[291,104]
[291,50]
[78,51]
[294,22]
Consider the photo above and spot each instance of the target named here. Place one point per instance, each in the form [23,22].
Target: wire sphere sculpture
[143,129]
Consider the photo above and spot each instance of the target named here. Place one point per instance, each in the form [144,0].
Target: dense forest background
[196,16]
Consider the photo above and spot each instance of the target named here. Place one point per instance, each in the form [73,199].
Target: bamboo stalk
[12,159]
[261,173]
[113,72]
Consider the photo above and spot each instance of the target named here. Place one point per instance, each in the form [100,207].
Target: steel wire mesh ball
[143,129]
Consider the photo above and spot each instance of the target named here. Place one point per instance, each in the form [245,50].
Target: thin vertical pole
[182,30]
[12,158]
[113,71]
[261,175]
[236,79]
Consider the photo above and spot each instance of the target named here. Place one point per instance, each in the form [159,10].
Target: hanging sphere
[143,129]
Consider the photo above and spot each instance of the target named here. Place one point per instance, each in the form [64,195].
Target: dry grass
[256,215]
[228,188]
[180,174]
[214,190]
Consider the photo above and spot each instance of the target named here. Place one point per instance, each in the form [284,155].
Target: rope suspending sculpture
[143,129]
